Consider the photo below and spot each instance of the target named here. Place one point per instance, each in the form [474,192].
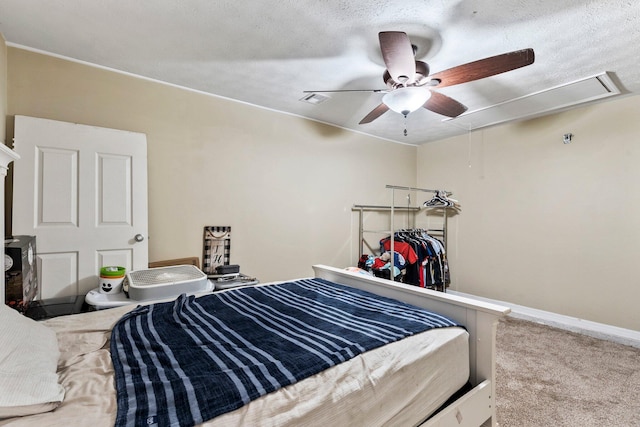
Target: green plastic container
[111,278]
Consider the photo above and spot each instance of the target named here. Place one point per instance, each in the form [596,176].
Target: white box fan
[165,282]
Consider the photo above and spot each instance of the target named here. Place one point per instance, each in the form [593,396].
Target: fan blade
[397,53]
[442,104]
[374,114]
[345,90]
[484,68]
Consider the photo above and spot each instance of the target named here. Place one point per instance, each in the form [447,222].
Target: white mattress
[397,384]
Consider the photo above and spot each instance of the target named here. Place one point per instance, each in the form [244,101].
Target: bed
[401,383]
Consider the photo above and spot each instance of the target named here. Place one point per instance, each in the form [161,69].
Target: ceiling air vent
[314,98]
[539,103]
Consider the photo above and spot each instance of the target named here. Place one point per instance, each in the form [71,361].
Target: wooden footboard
[481,321]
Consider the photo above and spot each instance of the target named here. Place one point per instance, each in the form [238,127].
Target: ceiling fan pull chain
[405,125]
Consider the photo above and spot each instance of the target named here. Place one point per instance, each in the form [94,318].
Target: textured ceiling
[267,53]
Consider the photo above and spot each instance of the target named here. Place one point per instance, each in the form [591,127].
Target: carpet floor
[551,377]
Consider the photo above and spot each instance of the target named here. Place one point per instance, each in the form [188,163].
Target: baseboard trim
[593,329]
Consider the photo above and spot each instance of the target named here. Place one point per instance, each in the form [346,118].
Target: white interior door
[82,191]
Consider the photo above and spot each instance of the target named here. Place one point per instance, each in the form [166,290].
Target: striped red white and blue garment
[184,362]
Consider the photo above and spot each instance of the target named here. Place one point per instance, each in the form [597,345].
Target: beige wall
[3,88]
[544,224]
[284,184]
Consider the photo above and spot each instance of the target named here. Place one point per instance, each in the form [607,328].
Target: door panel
[57,273]
[82,191]
[114,198]
[57,181]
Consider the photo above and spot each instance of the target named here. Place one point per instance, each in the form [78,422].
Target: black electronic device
[21,281]
[228,269]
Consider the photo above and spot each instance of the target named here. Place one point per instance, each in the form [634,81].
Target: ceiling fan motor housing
[422,72]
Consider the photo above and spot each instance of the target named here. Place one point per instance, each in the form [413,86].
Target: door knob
[139,237]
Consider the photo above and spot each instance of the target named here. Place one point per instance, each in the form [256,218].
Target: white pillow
[28,363]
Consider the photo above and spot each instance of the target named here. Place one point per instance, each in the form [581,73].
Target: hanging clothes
[408,250]
[425,255]
[436,268]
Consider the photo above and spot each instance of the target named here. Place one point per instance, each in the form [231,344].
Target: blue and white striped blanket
[184,362]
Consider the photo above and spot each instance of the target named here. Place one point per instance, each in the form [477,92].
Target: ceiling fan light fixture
[406,100]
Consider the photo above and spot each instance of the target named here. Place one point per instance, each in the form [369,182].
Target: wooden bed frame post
[481,320]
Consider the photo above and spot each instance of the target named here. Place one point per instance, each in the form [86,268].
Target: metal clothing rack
[443,231]
[392,208]
[375,208]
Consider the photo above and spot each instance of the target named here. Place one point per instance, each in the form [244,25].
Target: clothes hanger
[441,200]
[437,200]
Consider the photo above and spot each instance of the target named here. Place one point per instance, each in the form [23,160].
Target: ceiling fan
[410,86]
